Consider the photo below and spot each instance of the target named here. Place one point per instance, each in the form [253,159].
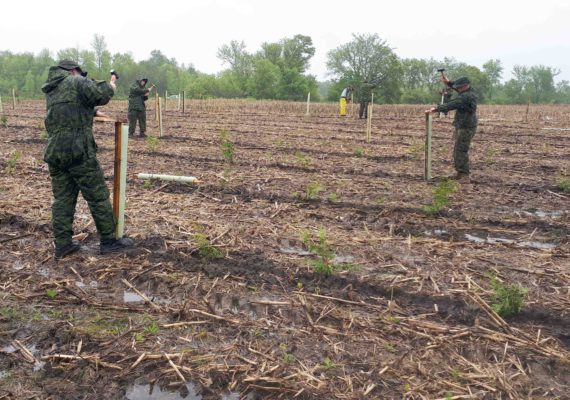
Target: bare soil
[220,298]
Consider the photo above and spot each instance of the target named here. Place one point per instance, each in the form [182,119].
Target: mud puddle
[502,240]
[140,391]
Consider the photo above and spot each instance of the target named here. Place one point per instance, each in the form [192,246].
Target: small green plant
[323,264]
[299,285]
[328,364]
[12,161]
[312,190]
[44,135]
[139,337]
[455,374]
[151,328]
[358,152]
[333,197]
[51,293]
[289,358]
[4,121]
[441,195]
[448,396]
[507,299]
[302,159]
[226,146]
[205,247]
[8,313]
[491,153]
[152,143]
[146,184]
[416,151]
[563,182]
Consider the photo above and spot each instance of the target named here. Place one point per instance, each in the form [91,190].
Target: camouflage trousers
[463,137]
[85,177]
[363,111]
[135,116]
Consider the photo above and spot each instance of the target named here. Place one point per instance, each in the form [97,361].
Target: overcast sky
[191,31]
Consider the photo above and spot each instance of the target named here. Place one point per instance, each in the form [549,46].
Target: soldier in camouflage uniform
[365,97]
[138,94]
[71,156]
[465,123]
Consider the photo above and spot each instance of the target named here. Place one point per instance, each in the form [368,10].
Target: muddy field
[305,263]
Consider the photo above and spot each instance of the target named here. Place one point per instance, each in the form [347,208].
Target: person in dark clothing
[365,97]
[71,156]
[138,94]
[465,123]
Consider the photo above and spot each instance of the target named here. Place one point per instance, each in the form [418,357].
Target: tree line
[278,70]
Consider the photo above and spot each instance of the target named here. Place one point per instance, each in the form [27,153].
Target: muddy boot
[63,251]
[112,245]
[462,178]
[143,135]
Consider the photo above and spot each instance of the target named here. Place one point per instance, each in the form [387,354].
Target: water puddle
[9,349]
[133,297]
[436,232]
[534,212]
[83,285]
[500,240]
[152,392]
[343,260]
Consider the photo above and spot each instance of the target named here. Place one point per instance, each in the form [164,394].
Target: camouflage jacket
[137,97]
[365,92]
[71,102]
[466,109]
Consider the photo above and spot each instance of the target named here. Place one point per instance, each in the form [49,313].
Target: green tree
[367,58]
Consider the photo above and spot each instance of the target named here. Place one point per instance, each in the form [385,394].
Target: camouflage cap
[461,82]
[68,65]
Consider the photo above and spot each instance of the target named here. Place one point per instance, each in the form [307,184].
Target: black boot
[63,251]
[112,245]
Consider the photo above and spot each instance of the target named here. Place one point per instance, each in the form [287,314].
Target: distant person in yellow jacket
[345,98]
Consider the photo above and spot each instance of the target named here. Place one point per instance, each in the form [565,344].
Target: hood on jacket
[56,75]
[142,78]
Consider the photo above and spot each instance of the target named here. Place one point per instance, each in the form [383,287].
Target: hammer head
[113,72]
[440,69]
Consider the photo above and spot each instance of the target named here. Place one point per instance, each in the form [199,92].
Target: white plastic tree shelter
[308,102]
[175,178]
[120,176]
[427,166]
[14,98]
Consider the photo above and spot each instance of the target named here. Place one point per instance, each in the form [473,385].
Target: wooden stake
[369,123]
[1,108]
[179,94]
[308,102]
[14,98]
[183,101]
[427,166]
[166,100]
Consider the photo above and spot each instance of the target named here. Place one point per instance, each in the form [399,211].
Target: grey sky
[516,32]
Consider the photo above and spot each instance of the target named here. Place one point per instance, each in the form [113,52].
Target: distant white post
[160,115]
[14,98]
[308,102]
[166,100]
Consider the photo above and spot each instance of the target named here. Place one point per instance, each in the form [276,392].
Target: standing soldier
[465,123]
[365,97]
[71,156]
[345,97]
[137,109]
